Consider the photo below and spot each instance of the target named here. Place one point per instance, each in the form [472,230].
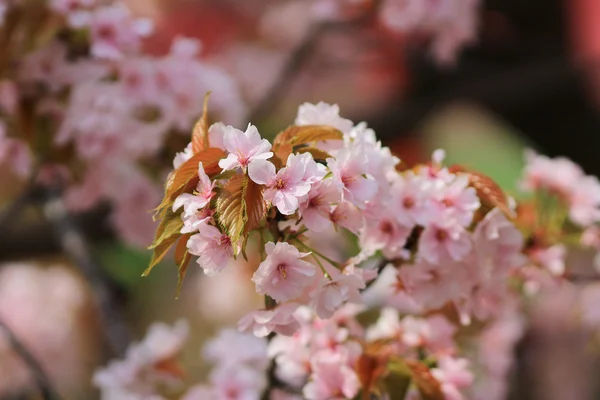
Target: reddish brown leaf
[284,142]
[240,207]
[317,154]
[160,251]
[230,207]
[429,387]
[200,132]
[182,258]
[185,178]
[314,133]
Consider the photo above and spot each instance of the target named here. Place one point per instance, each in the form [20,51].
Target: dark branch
[74,244]
[298,58]
[45,386]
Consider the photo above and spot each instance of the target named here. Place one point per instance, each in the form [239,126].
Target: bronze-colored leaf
[160,251]
[182,258]
[428,386]
[314,133]
[185,178]
[284,142]
[230,207]
[256,206]
[170,226]
[240,208]
[317,154]
[200,132]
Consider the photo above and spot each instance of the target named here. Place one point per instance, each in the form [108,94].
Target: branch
[299,58]
[73,243]
[45,386]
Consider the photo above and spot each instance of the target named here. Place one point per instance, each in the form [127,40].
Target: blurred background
[528,78]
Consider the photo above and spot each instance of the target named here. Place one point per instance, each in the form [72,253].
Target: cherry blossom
[286,186]
[283,275]
[193,203]
[213,248]
[244,148]
[280,320]
[316,206]
[331,378]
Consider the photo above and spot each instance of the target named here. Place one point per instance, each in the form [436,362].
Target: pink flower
[458,200]
[231,348]
[552,258]
[114,31]
[315,208]
[235,383]
[280,320]
[193,204]
[283,275]
[349,169]
[558,174]
[183,156]
[334,291]
[322,114]
[331,378]
[431,286]
[15,154]
[384,234]
[584,202]
[244,148]
[148,366]
[285,187]
[444,240]
[216,135]
[213,248]
[453,375]
[409,194]
[348,216]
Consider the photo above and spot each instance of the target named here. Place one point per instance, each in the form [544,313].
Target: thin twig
[75,246]
[47,391]
[298,59]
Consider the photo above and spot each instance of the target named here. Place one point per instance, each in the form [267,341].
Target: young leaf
[168,227]
[200,132]
[167,234]
[230,207]
[185,178]
[428,386]
[317,154]
[160,251]
[314,133]
[182,258]
[256,206]
[240,207]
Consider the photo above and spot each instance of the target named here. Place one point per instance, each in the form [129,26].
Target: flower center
[386,227]
[348,180]
[441,235]
[282,270]
[279,184]
[408,202]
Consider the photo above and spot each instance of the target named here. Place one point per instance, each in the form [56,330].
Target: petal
[261,172]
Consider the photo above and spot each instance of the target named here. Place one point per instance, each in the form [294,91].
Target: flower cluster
[149,367]
[448,235]
[80,101]
[446,26]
